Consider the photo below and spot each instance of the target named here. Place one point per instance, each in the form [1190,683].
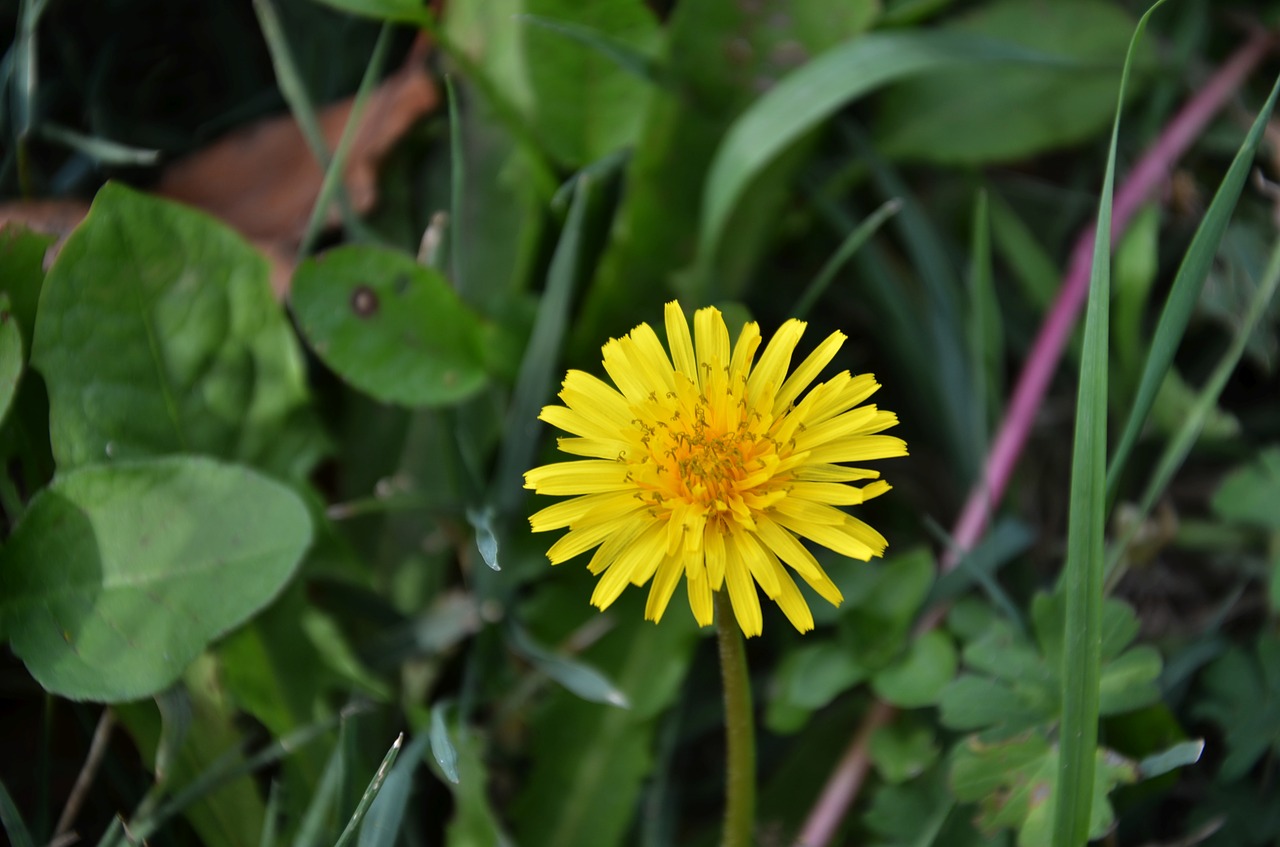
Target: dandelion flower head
[709,465]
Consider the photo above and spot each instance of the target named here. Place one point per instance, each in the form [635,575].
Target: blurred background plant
[266,415]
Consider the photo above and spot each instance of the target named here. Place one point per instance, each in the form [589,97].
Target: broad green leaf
[585,105]
[590,760]
[1013,684]
[972,115]
[808,678]
[1242,696]
[389,326]
[811,94]
[1250,493]
[119,575]
[875,625]
[10,354]
[923,813]
[919,678]
[22,255]
[399,11]
[1016,785]
[903,750]
[158,333]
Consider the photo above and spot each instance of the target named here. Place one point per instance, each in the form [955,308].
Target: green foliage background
[247,543]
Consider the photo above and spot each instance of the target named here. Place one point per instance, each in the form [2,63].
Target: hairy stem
[739,729]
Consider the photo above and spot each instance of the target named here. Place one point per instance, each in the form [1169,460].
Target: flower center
[705,448]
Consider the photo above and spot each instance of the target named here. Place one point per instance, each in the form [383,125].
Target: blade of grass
[986,335]
[26,79]
[295,95]
[442,749]
[271,818]
[542,355]
[854,240]
[226,769]
[457,188]
[382,822]
[810,95]
[332,181]
[327,794]
[1086,527]
[1176,451]
[1017,245]
[1186,290]
[942,325]
[370,793]
[14,826]
[102,150]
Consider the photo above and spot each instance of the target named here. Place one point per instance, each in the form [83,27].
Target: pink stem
[1149,173]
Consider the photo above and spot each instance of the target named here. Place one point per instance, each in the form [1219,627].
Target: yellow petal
[679,341]
[745,601]
[807,372]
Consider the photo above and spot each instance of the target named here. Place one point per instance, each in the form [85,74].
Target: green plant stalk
[739,729]
[1086,528]
[295,95]
[332,180]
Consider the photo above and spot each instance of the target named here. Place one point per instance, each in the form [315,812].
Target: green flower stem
[739,729]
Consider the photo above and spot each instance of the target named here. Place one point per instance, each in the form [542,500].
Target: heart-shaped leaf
[120,574]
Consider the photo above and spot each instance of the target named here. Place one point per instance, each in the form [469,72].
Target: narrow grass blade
[311,828]
[542,356]
[1032,267]
[332,180]
[457,188]
[227,769]
[1178,448]
[986,334]
[370,793]
[446,755]
[101,150]
[14,826]
[855,239]
[25,82]
[540,171]
[271,818]
[1186,290]
[382,822]
[295,93]
[578,677]
[810,95]
[1083,573]
[941,323]
[621,54]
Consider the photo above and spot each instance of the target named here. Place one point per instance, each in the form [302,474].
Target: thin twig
[1147,175]
[97,749]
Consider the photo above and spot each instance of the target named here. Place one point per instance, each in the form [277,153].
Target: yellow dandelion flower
[700,465]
